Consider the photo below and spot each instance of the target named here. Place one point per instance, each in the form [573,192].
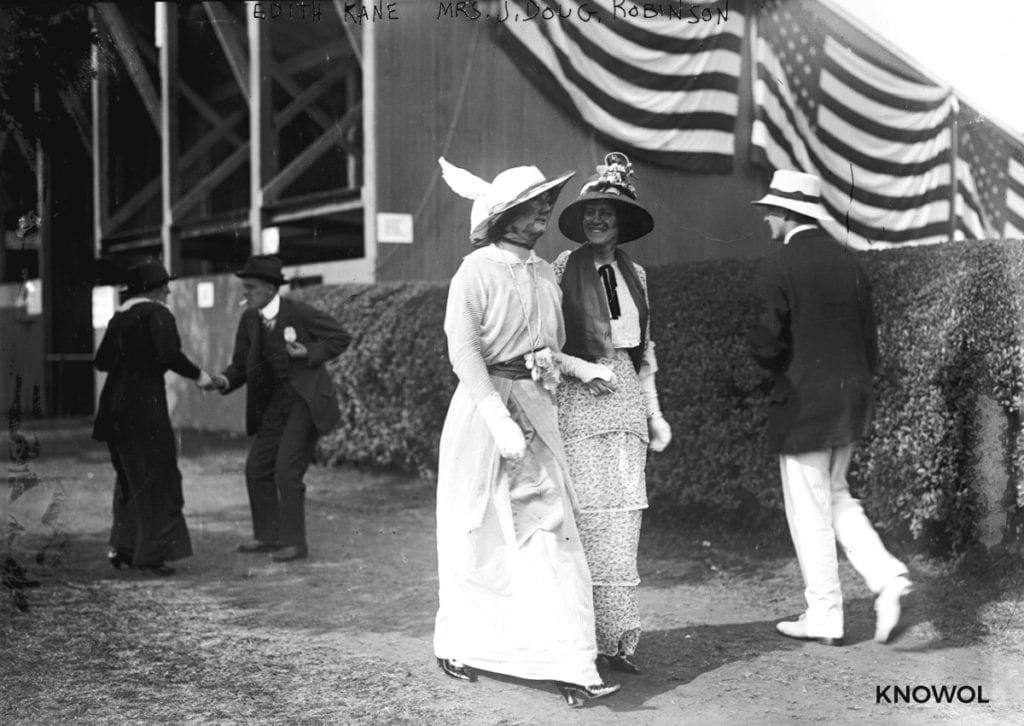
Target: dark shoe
[454,669]
[620,662]
[254,547]
[287,554]
[158,569]
[576,695]
[118,560]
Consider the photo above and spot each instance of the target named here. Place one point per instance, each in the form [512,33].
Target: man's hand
[218,382]
[296,350]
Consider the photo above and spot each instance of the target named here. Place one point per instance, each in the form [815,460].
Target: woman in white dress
[514,587]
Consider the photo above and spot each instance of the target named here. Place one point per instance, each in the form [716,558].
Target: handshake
[216,382]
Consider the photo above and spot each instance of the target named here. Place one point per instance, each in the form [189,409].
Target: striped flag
[661,86]
[991,173]
[880,141]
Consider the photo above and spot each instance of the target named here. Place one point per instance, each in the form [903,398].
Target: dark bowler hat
[263,267]
[147,276]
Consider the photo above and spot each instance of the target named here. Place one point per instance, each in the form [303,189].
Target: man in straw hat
[141,344]
[815,332]
[280,350]
[513,582]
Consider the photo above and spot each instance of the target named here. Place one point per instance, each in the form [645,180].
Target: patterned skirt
[606,446]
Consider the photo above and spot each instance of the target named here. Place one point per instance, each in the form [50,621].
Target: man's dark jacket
[323,337]
[815,331]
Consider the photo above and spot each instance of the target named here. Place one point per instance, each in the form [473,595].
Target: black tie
[268,323]
[608,278]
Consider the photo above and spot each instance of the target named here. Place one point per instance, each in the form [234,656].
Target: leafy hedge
[950,325]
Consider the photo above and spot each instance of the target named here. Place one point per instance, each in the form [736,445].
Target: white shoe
[887,606]
[798,629]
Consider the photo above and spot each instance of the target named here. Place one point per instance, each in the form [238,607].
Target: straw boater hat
[796,191]
[510,188]
[613,183]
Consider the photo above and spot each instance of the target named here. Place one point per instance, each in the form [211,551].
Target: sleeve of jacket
[769,335]
[236,372]
[167,343]
[869,325]
[107,354]
[329,338]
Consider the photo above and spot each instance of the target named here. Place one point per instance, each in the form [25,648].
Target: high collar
[797,230]
[133,301]
[497,254]
[272,308]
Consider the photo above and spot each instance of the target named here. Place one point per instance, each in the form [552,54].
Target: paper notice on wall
[204,294]
[104,301]
[394,228]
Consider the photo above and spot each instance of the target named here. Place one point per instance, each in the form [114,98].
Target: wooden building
[213,130]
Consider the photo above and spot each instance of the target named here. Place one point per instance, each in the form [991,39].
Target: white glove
[204,381]
[657,427]
[659,431]
[506,432]
[585,370]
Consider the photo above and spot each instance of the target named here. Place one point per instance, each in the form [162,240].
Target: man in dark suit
[280,350]
[140,345]
[815,332]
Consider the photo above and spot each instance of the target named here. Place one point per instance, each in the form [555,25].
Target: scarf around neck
[585,306]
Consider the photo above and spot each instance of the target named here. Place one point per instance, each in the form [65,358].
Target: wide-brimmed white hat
[796,191]
[510,188]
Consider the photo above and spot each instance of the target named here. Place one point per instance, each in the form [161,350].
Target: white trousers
[820,512]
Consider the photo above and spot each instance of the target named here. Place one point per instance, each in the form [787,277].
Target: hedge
[950,327]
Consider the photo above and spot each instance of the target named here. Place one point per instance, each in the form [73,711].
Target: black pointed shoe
[456,670]
[621,662]
[160,568]
[576,695]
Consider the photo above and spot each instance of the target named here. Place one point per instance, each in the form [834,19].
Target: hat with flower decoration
[614,184]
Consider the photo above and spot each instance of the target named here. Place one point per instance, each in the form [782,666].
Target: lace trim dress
[606,445]
[515,594]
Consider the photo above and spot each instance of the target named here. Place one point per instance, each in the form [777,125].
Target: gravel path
[345,637]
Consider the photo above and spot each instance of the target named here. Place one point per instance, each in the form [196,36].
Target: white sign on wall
[104,301]
[204,294]
[395,228]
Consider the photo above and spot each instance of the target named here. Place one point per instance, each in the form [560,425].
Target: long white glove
[658,430]
[506,432]
[600,379]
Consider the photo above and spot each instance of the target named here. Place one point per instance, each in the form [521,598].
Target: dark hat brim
[480,234]
[273,279]
[634,220]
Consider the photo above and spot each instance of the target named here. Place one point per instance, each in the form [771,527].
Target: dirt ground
[345,637]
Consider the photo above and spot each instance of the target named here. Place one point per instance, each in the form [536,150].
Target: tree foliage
[45,45]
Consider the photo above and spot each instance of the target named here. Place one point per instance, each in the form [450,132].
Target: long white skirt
[525,608]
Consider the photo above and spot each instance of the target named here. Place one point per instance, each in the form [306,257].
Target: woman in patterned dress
[514,588]
[605,306]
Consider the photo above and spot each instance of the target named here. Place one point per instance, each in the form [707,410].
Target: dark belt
[515,369]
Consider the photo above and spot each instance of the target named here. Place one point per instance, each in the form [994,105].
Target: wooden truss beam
[308,156]
[223,26]
[222,171]
[354,40]
[124,42]
[200,104]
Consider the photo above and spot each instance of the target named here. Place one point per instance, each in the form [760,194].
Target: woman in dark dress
[140,345]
